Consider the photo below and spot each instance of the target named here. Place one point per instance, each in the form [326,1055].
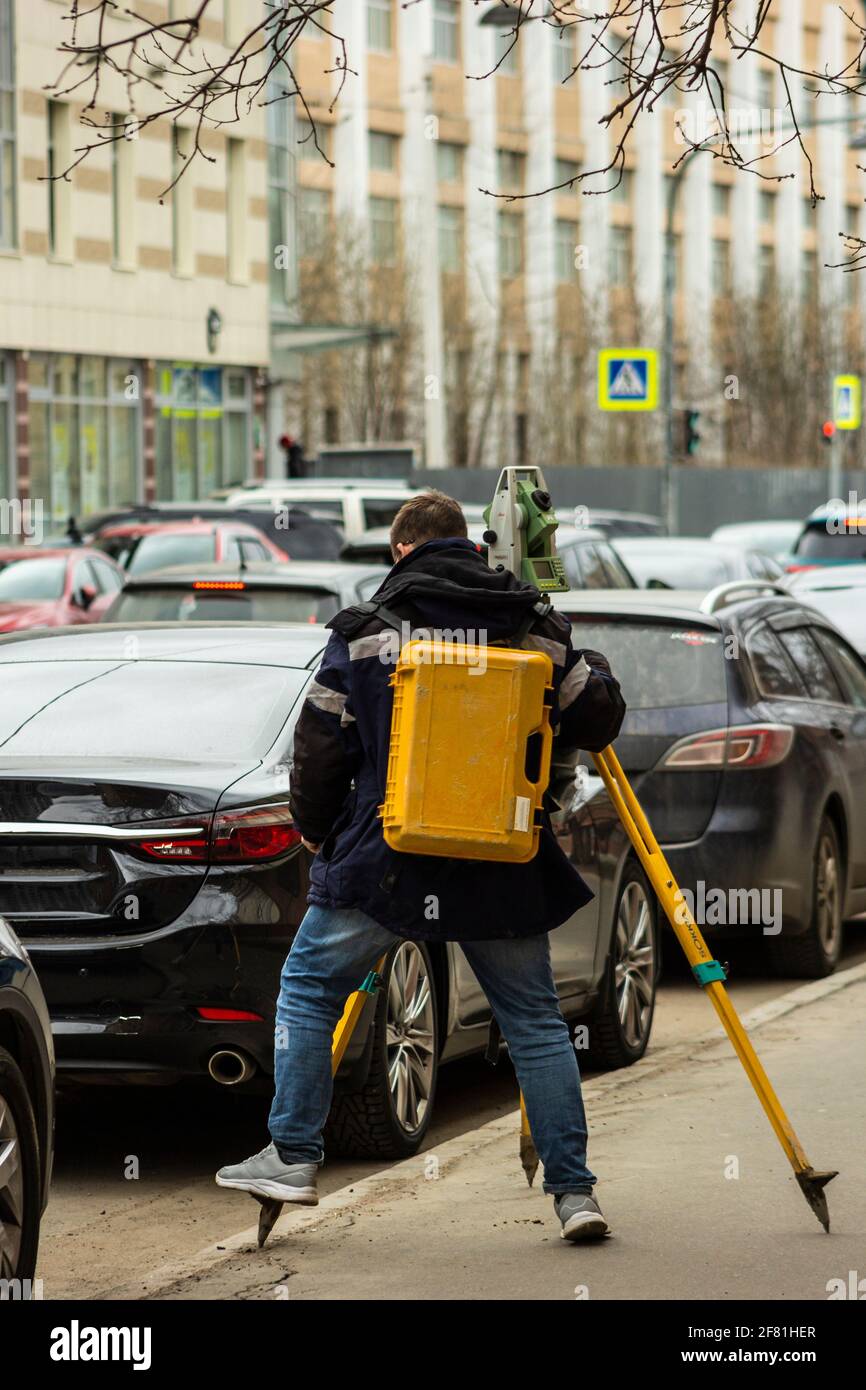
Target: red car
[53,588]
[140,546]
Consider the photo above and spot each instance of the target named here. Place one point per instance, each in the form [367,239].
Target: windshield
[678,569]
[218,606]
[157,552]
[658,664]
[31,579]
[820,544]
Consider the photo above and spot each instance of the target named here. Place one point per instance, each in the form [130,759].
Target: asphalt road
[134,1188]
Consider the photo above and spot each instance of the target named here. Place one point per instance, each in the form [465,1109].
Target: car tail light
[218,584]
[236,837]
[799,569]
[250,836]
[228,1015]
[746,746]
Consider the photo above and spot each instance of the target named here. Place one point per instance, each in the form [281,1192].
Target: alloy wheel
[410,1036]
[11,1194]
[827,904]
[634,963]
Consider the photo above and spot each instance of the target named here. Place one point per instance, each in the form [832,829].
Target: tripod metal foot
[812,1185]
[268,1216]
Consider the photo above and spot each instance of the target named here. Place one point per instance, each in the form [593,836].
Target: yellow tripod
[708,972]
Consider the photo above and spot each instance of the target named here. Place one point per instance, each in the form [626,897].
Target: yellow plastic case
[457,780]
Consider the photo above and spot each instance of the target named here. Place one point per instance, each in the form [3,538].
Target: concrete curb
[388,1182]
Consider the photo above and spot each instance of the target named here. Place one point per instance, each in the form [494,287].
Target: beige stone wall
[86,304]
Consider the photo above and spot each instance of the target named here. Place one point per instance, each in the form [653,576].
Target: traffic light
[693,438]
[828,429]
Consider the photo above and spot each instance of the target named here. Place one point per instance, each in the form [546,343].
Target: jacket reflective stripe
[331,701]
[362,647]
[555,650]
[573,684]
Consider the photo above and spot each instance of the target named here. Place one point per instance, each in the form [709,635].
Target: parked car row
[153,880]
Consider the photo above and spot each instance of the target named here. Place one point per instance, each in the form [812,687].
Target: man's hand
[314,849]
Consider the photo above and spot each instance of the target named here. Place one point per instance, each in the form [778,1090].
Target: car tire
[20,1175]
[390,1115]
[620,1029]
[815,953]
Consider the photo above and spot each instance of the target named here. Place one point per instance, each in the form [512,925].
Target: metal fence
[703,498]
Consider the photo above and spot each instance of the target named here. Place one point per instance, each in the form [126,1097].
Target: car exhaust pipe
[230,1068]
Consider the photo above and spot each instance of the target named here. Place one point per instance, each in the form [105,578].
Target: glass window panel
[38,372]
[122,454]
[40,472]
[379,34]
[449,162]
[93,480]
[65,376]
[64,461]
[209,452]
[446,31]
[91,377]
[184,456]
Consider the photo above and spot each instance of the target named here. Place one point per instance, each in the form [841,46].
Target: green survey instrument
[521,529]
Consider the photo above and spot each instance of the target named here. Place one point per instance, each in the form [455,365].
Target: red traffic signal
[828,429]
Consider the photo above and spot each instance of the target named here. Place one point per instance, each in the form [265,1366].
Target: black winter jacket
[341,756]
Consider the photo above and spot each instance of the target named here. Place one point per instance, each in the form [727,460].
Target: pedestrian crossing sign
[628,379]
[846,402]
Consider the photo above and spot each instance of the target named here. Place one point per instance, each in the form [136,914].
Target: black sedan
[26,1111]
[151,866]
[745,741]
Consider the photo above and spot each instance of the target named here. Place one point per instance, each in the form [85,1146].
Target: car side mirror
[84,596]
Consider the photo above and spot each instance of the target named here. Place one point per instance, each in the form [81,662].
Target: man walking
[364,896]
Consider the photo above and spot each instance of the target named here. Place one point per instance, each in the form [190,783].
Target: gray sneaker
[266,1175]
[581,1216]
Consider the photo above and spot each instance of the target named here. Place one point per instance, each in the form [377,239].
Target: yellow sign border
[856,396]
[648,355]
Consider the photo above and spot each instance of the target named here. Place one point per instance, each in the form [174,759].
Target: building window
[122,195]
[446,31]
[563,170]
[508,53]
[383,151]
[7,415]
[565,248]
[383,230]
[720,266]
[564,53]
[510,166]
[310,142]
[766,207]
[314,205]
[236,211]
[622,192]
[449,162]
[766,270]
[85,427]
[379,17]
[766,88]
[282,250]
[509,243]
[451,239]
[203,429]
[181,202]
[619,271]
[721,200]
[8,230]
[809,275]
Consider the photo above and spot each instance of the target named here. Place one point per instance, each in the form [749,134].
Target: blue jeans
[330,956]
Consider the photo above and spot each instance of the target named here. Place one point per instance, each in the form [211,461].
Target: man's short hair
[428,517]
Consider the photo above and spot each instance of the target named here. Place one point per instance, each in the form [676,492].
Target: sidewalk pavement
[700,1197]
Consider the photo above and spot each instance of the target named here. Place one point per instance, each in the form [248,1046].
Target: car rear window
[222,605]
[381,511]
[193,711]
[817,543]
[157,552]
[658,664]
[31,579]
